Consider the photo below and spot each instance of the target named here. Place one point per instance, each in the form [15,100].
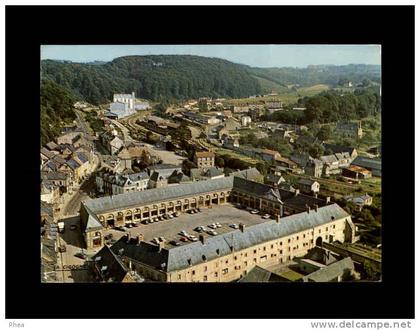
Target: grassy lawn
[222,152]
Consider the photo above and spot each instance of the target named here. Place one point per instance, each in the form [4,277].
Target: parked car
[128,225]
[170,216]
[266,216]
[254,211]
[212,232]
[212,226]
[135,224]
[162,239]
[177,214]
[183,233]
[155,240]
[80,255]
[122,228]
[199,210]
[175,243]
[183,239]
[199,229]
[193,238]
[234,226]
[218,225]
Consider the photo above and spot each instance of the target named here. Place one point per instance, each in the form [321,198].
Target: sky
[253,55]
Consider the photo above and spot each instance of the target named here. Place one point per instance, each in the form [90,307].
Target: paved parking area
[224,214]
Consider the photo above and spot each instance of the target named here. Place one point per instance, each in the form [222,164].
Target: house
[130,182]
[360,201]
[308,185]
[273,179]
[59,179]
[115,145]
[108,267]
[178,177]
[340,149]
[206,173]
[331,164]
[251,174]
[356,172]
[165,170]
[270,155]
[314,167]
[372,164]
[46,155]
[204,159]
[69,138]
[230,142]
[260,275]
[334,272]
[157,180]
[286,164]
[50,193]
[246,120]
[343,158]
[350,129]
[239,109]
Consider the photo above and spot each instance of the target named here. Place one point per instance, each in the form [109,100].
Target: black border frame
[27,27]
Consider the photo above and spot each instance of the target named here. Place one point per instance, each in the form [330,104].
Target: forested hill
[319,74]
[157,77]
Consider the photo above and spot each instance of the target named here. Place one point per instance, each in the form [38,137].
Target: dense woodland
[180,77]
[332,106]
[319,74]
[56,110]
[166,77]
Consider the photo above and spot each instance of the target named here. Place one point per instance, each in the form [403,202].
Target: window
[225,271]
[326,228]
[193,272]
[264,248]
[289,248]
[281,251]
[288,241]
[263,258]
[281,243]
[205,268]
[255,260]
[255,251]
[319,231]
[226,262]
[216,274]
[205,278]
[297,238]
[246,263]
[272,246]
[236,258]
[179,276]
[304,235]
[334,226]
[246,254]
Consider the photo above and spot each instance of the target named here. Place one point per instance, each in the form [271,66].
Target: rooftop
[180,257]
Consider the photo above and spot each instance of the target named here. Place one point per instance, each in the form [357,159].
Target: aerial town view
[210,163]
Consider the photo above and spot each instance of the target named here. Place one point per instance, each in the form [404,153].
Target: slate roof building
[118,210]
[372,164]
[232,255]
[260,275]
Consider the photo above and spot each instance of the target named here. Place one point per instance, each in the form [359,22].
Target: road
[73,206]
[82,122]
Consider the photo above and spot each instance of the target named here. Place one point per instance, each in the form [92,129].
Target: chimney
[202,240]
[328,199]
[297,191]
[278,218]
[242,227]
[316,207]
[308,208]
